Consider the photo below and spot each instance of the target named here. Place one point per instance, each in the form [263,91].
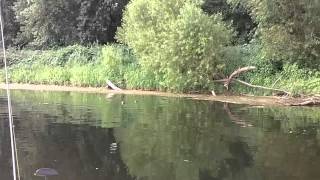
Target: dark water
[121,137]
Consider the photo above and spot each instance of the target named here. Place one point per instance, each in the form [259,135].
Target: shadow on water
[91,136]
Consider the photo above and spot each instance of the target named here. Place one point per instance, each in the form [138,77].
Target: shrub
[21,75]
[116,60]
[288,30]
[83,75]
[139,78]
[176,40]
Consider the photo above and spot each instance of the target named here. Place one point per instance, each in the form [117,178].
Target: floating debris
[44,172]
[113,148]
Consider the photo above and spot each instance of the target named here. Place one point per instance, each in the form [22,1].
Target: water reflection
[91,136]
[184,140]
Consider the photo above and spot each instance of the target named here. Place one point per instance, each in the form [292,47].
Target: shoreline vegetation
[244,99]
[83,66]
[174,46]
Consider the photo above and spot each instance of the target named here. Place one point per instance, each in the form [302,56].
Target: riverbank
[81,66]
[249,100]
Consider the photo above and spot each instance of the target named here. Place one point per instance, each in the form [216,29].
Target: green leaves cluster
[171,45]
[177,41]
[11,26]
[49,23]
[289,30]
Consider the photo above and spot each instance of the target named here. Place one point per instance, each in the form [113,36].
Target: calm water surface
[125,137]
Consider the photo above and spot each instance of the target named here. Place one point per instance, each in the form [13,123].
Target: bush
[82,75]
[69,55]
[288,30]
[116,60]
[177,41]
[40,74]
[139,78]
[73,65]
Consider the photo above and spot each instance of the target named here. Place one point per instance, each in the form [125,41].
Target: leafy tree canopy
[176,40]
[62,22]
[289,30]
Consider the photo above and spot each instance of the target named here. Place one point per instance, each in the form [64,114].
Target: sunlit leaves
[289,30]
[176,40]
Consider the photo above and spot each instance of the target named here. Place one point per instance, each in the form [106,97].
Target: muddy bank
[250,100]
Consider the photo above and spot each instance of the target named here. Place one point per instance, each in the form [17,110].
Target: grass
[291,78]
[79,66]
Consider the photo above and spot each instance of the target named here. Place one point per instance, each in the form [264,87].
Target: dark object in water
[44,172]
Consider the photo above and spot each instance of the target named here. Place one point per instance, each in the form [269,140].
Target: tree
[63,22]
[98,20]
[11,26]
[46,22]
[171,140]
[238,16]
[289,30]
[176,41]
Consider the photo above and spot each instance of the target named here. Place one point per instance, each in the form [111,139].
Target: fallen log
[233,76]
[253,86]
[112,86]
[262,87]
[311,101]
[236,73]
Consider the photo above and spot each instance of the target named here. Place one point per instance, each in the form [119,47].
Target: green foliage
[177,41]
[299,80]
[238,16]
[83,76]
[69,55]
[98,20]
[46,22]
[41,74]
[73,65]
[116,61]
[49,23]
[173,45]
[121,67]
[2,76]
[139,78]
[11,26]
[289,30]
[56,66]
[291,78]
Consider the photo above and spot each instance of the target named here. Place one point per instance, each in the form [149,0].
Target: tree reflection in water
[88,136]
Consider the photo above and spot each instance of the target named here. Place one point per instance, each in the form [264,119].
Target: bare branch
[261,87]
[236,73]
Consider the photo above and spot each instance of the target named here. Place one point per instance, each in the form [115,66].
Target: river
[87,136]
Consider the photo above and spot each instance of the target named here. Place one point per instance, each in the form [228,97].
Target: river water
[126,137]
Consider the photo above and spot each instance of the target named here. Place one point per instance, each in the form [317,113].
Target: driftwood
[262,87]
[310,101]
[112,86]
[233,76]
[236,73]
[288,101]
[213,93]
